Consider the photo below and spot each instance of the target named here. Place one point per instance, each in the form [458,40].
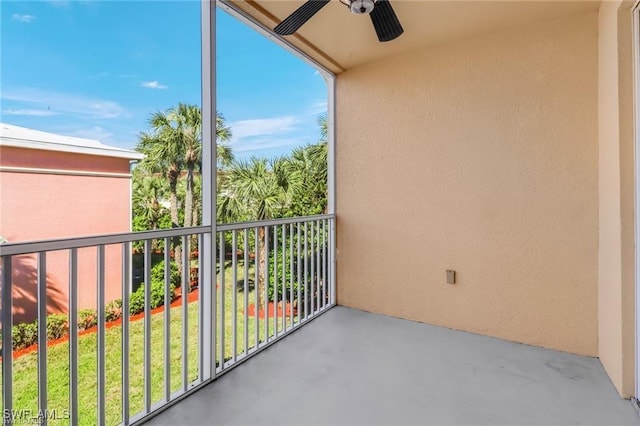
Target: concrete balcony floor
[352,367]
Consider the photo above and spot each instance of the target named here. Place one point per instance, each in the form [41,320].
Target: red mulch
[287,310]
[193,296]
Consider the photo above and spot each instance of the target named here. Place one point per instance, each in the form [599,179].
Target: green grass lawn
[25,371]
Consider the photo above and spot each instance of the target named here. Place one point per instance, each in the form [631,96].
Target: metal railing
[270,278]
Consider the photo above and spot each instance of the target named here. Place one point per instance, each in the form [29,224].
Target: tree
[187,130]
[175,144]
[224,153]
[309,165]
[197,194]
[163,155]
[260,189]
[257,189]
[324,128]
[147,194]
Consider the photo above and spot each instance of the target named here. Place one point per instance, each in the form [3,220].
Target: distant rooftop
[21,137]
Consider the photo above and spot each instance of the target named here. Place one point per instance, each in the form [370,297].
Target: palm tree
[223,136]
[148,191]
[197,194]
[309,165]
[187,130]
[324,128]
[146,198]
[163,155]
[175,144]
[257,189]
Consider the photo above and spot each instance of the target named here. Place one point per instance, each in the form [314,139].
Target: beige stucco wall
[479,156]
[616,193]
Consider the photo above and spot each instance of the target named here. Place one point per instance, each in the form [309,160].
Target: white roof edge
[21,137]
[48,146]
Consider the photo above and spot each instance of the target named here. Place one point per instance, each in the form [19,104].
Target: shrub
[136,303]
[87,318]
[157,274]
[283,292]
[57,326]
[113,310]
[273,286]
[157,293]
[24,335]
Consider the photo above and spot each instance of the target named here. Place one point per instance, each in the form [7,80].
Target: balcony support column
[209,173]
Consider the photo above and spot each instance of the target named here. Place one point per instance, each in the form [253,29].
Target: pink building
[54,186]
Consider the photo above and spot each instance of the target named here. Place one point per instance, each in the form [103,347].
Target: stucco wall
[479,156]
[616,297]
[39,205]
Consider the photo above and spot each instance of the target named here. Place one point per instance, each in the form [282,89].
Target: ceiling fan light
[362,6]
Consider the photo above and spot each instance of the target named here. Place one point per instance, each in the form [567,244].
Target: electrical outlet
[451,276]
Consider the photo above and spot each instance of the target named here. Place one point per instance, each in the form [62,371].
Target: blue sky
[97,69]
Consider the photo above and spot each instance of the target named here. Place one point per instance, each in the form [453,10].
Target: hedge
[26,334]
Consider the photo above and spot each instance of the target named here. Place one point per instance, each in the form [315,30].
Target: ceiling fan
[383,17]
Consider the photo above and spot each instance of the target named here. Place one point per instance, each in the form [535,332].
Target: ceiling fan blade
[385,21]
[294,21]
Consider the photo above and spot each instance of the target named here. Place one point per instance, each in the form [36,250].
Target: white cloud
[31,112]
[317,107]
[265,144]
[264,134]
[65,103]
[27,19]
[95,132]
[246,129]
[152,85]
[110,133]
